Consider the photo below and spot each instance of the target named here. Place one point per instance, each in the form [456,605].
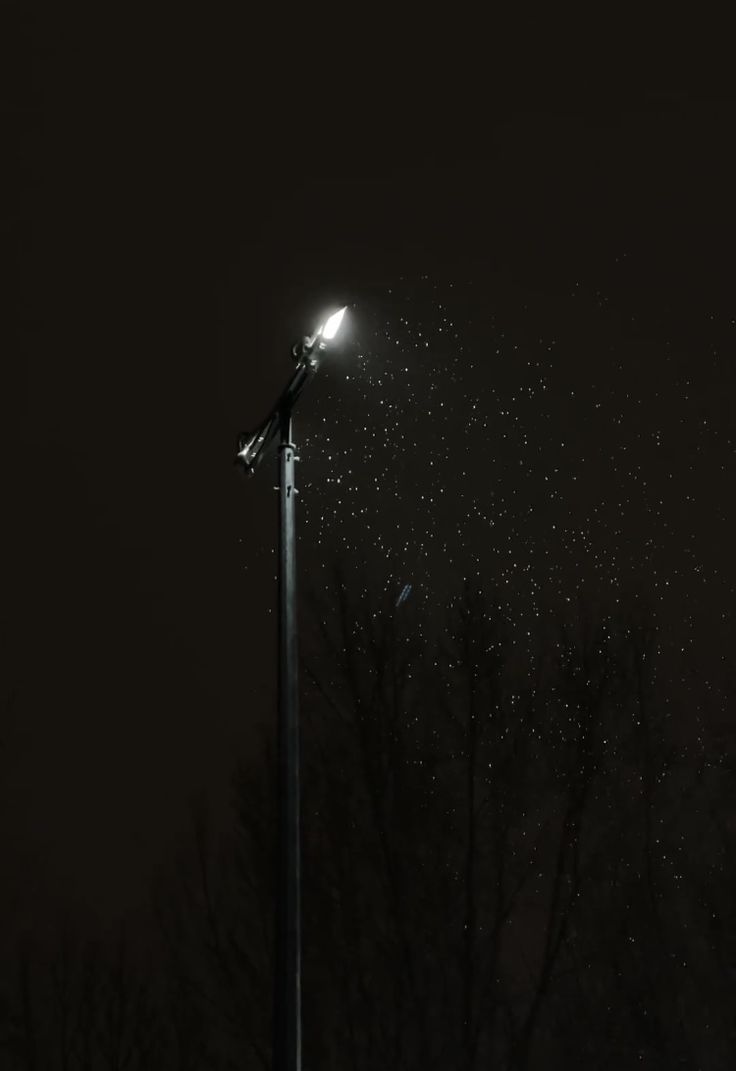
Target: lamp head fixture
[254,445]
[304,350]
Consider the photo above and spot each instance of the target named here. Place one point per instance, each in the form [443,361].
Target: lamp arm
[254,446]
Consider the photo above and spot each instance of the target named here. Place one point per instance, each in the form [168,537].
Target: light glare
[333,324]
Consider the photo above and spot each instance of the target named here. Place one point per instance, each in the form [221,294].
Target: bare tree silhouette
[514,856]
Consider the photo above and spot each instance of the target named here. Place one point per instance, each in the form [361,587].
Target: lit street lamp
[287,1055]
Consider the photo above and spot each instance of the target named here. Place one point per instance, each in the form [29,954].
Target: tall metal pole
[252,448]
[287,1037]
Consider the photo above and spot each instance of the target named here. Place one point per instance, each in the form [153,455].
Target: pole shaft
[287,994]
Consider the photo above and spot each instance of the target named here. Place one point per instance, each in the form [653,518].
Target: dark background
[193,192]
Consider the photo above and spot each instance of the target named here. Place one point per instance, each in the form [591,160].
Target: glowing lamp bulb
[333,324]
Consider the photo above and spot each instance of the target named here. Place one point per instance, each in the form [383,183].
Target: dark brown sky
[189,203]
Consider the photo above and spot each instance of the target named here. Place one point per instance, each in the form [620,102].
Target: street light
[252,448]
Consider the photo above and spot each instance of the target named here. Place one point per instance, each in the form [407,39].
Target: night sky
[534,384]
